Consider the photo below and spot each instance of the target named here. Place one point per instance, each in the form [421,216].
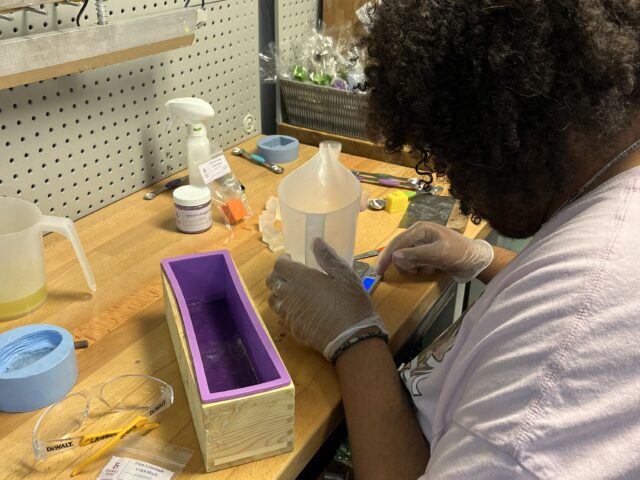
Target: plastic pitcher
[320,199]
[23,286]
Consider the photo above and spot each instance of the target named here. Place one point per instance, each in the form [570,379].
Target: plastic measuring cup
[23,285]
[320,199]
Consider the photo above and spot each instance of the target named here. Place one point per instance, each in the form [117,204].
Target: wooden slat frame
[53,54]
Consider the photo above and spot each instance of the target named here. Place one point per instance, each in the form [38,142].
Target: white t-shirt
[541,379]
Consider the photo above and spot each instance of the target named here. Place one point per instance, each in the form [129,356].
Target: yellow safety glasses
[59,427]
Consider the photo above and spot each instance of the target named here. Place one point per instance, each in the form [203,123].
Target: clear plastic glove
[321,310]
[427,246]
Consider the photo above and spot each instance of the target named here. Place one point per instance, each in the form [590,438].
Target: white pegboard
[293,20]
[76,143]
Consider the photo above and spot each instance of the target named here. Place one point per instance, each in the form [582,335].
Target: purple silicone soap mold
[231,352]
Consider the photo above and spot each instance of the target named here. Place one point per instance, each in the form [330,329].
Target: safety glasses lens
[132,392]
[63,419]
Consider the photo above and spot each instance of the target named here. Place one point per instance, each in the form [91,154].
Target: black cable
[84,5]
[189,1]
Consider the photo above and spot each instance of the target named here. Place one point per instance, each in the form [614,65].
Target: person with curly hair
[532,110]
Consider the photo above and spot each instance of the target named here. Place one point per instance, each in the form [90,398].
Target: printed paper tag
[214,169]
[120,468]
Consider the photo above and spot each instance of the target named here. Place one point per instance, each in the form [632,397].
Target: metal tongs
[387,180]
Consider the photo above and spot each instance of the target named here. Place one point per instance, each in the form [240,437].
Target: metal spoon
[167,186]
[239,152]
[377,203]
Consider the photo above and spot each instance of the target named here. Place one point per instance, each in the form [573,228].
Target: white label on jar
[214,168]
[122,468]
[193,219]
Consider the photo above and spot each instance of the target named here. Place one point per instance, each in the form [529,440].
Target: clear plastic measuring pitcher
[23,286]
[320,199]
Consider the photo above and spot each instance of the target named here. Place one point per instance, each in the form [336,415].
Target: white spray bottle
[194,112]
[208,168]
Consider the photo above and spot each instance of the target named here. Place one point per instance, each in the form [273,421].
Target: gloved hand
[427,246]
[321,310]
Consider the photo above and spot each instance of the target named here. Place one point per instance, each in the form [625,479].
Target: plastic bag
[144,458]
[267,59]
[366,13]
[329,58]
[228,194]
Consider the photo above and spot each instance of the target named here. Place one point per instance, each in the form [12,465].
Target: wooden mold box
[240,393]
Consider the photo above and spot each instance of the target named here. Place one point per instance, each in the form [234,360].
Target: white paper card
[214,169]
[121,468]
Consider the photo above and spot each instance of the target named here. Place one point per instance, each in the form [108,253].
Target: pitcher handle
[65,227]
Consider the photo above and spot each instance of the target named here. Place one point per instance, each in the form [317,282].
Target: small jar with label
[193,208]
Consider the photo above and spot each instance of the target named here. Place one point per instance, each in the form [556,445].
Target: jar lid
[191,196]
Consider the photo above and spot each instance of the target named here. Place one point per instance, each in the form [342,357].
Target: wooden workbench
[125,325]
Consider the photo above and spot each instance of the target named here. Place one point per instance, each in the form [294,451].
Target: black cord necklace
[623,154]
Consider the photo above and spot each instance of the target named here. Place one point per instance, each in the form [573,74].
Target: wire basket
[327,109]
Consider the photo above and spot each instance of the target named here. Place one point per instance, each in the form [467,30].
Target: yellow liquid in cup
[24,305]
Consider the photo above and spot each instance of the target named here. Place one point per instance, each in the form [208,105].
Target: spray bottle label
[214,169]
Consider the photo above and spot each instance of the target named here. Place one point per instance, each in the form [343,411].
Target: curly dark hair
[501,92]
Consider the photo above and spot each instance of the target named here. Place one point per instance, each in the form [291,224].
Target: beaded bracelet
[357,339]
